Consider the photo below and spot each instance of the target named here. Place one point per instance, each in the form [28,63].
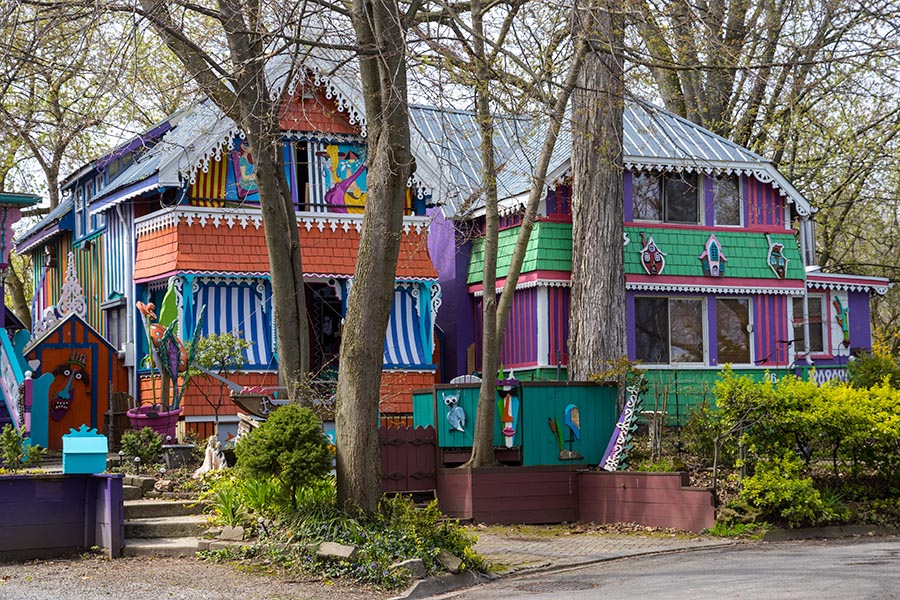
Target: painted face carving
[74,373]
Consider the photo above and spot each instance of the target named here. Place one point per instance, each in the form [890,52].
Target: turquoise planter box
[84,451]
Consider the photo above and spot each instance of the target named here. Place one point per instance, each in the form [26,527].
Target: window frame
[663,196]
[749,330]
[704,333]
[799,337]
[714,179]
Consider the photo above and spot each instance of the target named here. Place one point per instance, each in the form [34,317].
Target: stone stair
[161,527]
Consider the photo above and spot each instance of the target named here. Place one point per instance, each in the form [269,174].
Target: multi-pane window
[733,330]
[671,198]
[727,200]
[669,330]
[816,324]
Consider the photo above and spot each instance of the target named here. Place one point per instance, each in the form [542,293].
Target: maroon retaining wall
[654,499]
[509,494]
[42,516]
[558,494]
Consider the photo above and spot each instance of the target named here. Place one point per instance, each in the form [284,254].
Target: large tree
[597,323]
[228,48]
[381,34]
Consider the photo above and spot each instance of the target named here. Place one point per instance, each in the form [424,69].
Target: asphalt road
[818,570]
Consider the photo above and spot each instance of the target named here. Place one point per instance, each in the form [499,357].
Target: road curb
[839,531]
[441,584]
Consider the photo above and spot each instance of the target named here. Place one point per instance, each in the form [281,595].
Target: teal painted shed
[554,423]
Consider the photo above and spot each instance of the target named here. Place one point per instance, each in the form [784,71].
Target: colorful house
[719,258]
[719,250]
[178,206]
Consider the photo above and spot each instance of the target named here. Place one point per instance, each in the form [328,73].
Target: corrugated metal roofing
[653,138]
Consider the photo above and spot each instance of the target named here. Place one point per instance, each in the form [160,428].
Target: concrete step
[153,509]
[131,492]
[166,527]
[174,546]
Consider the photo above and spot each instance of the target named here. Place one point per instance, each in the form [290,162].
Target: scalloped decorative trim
[253,217]
[711,289]
[343,103]
[850,287]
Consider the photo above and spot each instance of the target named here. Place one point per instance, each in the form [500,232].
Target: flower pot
[161,422]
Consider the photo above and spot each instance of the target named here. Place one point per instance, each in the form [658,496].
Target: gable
[310,109]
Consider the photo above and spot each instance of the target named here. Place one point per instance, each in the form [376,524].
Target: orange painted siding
[396,391]
[397,387]
[241,250]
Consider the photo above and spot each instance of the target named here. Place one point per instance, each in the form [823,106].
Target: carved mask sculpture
[73,373]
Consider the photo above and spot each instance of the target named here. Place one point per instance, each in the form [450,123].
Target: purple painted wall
[450,255]
[50,515]
[708,205]
[765,206]
[769,326]
[860,320]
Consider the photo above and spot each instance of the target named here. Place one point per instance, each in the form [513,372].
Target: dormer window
[669,198]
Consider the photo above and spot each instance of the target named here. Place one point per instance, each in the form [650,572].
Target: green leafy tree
[222,353]
[290,446]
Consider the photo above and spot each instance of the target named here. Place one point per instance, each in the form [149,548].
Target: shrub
[145,445]
[779,490]
[15,452]
[290,446]
[869,370]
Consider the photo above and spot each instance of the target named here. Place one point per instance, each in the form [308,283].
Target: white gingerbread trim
[245,217]
[711,289]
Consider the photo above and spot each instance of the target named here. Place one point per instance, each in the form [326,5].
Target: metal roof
[653,139]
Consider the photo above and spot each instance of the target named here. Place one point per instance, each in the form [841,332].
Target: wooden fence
[408,459]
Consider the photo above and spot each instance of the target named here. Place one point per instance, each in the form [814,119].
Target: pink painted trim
[561,276]
[730,282]
[840,279]
[717,228]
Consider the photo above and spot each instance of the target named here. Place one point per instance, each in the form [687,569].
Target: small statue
[214,460]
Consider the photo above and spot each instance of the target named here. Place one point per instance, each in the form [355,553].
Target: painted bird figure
[573,420]
[456,416]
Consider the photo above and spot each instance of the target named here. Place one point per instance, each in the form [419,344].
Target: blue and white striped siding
[403,345]
[117,257]
[241,310]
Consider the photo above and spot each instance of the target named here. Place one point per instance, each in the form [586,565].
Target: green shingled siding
[549,249]
[746,252]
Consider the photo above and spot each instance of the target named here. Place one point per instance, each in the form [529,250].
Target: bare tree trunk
[597,322]
[483,442]
[390,164]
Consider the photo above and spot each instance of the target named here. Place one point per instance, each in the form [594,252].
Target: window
[669,330]
[673,198]
[733,330]
[727,200]
[816,325]
[79,212]
[116,324]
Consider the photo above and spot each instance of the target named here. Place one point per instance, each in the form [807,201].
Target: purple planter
[161,422]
